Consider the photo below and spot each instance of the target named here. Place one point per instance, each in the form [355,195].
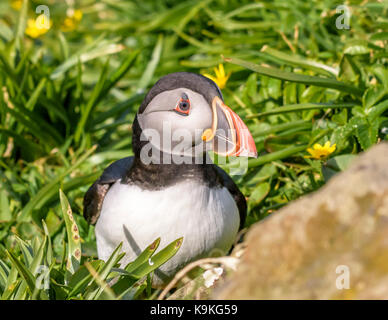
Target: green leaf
[124,285]
[120,72]
[35,95]
[341,134]
[34,124]
[5,210]
[104,291]
[349,71]
[296,77]
[377,110]
[82,278]
[302,107]
[143,257]
[146,78]
[277,155]
[23,271]
[45,193]
[21,24]
[94,290]
[12,283]
[101,89]
[366,132]
[379,36]
[92,102]
[144,265]
[49,250]
[259,193]
[299,61]
[5,31]
[73,238]
[373,95]
[27,251]
[29,149]
[119,108]
[97,49]
[356,47]
[337,164]
[4,272]
[158,259]
[38,257]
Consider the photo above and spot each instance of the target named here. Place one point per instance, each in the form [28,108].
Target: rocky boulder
[332,244]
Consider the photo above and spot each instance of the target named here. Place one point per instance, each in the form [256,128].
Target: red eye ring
[183,107]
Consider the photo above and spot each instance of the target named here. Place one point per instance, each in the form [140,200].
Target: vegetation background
[310,81]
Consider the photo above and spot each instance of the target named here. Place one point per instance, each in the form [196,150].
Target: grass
[68,99]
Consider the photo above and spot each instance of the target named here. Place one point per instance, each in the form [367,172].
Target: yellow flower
[68,25]
[36,28]
[72,20]
[220,79]
[16,4]
[77,15]
[319,152]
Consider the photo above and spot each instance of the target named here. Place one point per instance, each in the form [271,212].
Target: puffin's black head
[184,114]
[193,81]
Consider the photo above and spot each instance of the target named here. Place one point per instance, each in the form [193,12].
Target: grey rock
[304,250]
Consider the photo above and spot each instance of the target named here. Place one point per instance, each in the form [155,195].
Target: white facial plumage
[172,132]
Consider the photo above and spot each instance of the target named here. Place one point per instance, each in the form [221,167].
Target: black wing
[94,197]
[236,194]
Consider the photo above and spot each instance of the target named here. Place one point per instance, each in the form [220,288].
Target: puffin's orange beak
[229,134]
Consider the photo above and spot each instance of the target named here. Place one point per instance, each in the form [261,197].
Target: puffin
[170,188]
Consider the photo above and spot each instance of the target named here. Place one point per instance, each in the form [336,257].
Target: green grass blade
[103,287]
[5,209]
[4,272]
[377,110]
[35,95]
[96,52]
[120,72]
[30,148]
[300,61]
[31,121]
[302,107]
[118,108]
[295,77]
[258,132]
[158,259]
[43,195]
[82,278]
[143,257]
[21,24]
[49,251]
[12,283]
[73,238]
[92,102]
[277,155]
[27,251]
[38,257]
[143,265]
[23,271]
[146,78]
[102,88]
[94,290]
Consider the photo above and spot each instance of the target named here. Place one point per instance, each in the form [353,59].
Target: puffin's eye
[183,107]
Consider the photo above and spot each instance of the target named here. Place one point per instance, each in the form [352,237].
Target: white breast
[207,218]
